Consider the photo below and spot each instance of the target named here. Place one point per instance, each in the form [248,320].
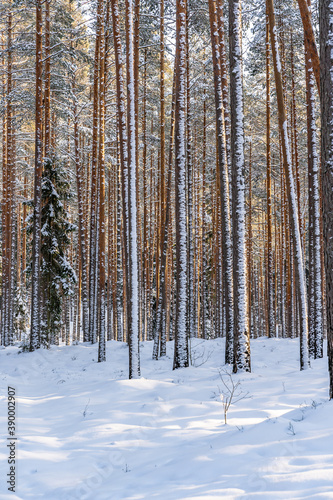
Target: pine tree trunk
[270,276]
[326,60]
[242,359]
[222,166]
[93,261]
[35,276]
[101,301]
[160,327]
[191,308]
[181,355]
[47,91]
[309,38]
[133,274]
[122,130]
[315,269]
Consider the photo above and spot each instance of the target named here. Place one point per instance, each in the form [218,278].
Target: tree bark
[35,278]
[181,357]
[326,73]
[242,360]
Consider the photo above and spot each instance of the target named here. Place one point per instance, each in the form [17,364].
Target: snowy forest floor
[87,432]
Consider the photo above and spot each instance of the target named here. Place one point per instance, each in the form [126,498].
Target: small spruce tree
[57,275]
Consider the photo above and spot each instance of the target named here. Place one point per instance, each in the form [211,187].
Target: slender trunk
[122,129]
[35,277]
[326,60]
[181,355]
[133,275]
[291,192]
[47,90]
[101,200]
[270,263]
[94,185]
[309,38]
[242,359]
[222,167]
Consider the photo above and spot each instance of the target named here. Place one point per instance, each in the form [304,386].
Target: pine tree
[241,324]
[181,339]
[57,275]
[326,57]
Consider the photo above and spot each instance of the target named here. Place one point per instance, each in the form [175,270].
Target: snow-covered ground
[86,432]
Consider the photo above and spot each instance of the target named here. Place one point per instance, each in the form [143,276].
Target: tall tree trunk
[270,276]
[222,166]
[36,236]
[47,90]
[291,192]
[133,275]
[101,200]
[191,309]
[242,360]
[181,355]
[93,265]
[122,129]
[326,94]
[309,39]
[315,269]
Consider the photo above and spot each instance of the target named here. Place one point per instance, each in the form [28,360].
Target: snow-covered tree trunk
[326,94]
[203,219]
[101,329]
[122,131]
[189,162]
[93,260]
[36,237]
[119,334]
[309,38]
[47,85]
[225,91]
[160,327]
[82,240]
[181,358]
[291,193]
[270,263]
[133,274]
[242,360]
[223,184]
[315,268]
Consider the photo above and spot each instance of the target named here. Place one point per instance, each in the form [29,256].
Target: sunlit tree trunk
[270,263]
[93,265]
[101,328]
[242,360]
[326,61]
[181,355]
[133,275]
[35,276]
[315,269]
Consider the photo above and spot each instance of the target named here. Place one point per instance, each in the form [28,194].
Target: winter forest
[166,279]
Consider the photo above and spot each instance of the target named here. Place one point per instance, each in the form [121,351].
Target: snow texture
[86,432]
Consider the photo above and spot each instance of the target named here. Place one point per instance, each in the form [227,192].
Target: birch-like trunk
[315,268]
[36,236]
[133,274]
[181,356]
[101,328]
[242,360]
